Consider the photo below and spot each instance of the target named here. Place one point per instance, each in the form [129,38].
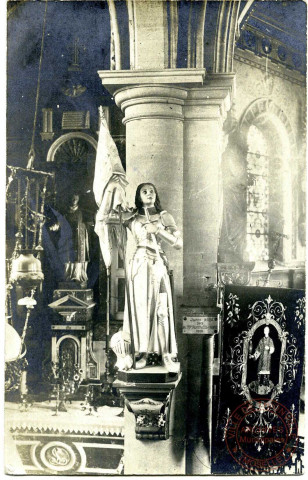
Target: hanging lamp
[26,269]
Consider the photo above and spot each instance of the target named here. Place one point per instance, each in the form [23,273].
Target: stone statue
[232,241]
[77,257]
[150,296]
[149,283]
[148,312]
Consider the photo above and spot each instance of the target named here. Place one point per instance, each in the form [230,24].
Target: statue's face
[74,200]
[148,196]
[266,331]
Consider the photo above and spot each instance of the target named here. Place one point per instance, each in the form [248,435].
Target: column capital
[151,101]
[212,100]
[115,79]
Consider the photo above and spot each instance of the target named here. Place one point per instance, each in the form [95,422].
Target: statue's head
[74,199]
[147,196]
[266,331]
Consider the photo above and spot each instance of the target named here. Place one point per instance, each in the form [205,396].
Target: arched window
[257,196]
[271,163]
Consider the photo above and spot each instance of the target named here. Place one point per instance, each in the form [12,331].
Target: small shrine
[72,332]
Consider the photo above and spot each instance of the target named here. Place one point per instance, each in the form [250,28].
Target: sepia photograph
[155,237]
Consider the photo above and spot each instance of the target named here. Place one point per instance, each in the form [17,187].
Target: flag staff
[107,320]
[109,190]
[129,310]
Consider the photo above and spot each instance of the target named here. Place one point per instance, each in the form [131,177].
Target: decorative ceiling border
[264,45]
[246,57]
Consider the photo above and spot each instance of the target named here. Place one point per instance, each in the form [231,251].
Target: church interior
[205,101]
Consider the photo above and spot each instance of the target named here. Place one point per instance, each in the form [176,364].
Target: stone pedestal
[200,323]
[150,446]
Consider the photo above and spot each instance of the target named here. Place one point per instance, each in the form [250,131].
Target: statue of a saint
[232,241]
[150,290]
[263,354]
[148,313]
[78,256]
[150,296]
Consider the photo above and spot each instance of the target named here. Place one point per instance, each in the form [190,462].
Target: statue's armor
[167,230]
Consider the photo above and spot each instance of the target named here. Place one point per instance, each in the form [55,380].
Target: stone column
[153,103]
[204,111]
[150,40]
[153,106]
[54,355]
[83,356]
[154,148]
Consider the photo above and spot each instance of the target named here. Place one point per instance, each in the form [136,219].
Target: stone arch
[265,107]
[64,138]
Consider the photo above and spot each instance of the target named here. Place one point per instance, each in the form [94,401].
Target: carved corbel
[149,401]
[151,416]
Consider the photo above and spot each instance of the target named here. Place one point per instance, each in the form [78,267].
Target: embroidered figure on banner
[264,358]
[263,354]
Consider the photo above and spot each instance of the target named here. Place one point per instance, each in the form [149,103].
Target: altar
[73,442]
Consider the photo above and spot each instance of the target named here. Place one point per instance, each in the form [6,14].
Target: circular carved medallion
[58,456]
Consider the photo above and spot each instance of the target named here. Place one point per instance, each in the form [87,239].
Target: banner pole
[129,311]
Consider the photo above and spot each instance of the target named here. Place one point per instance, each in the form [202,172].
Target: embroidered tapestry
[262,355]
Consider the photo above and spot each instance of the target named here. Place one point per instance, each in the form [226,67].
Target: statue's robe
[80,242]
[77,257]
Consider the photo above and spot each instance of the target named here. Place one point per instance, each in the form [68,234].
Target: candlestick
[23,383]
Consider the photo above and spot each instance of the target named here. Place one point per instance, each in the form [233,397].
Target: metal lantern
[26,271]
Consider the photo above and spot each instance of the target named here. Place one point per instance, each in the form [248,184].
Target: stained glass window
[257,195]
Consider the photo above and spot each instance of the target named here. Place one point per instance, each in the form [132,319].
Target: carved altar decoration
[71,443]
